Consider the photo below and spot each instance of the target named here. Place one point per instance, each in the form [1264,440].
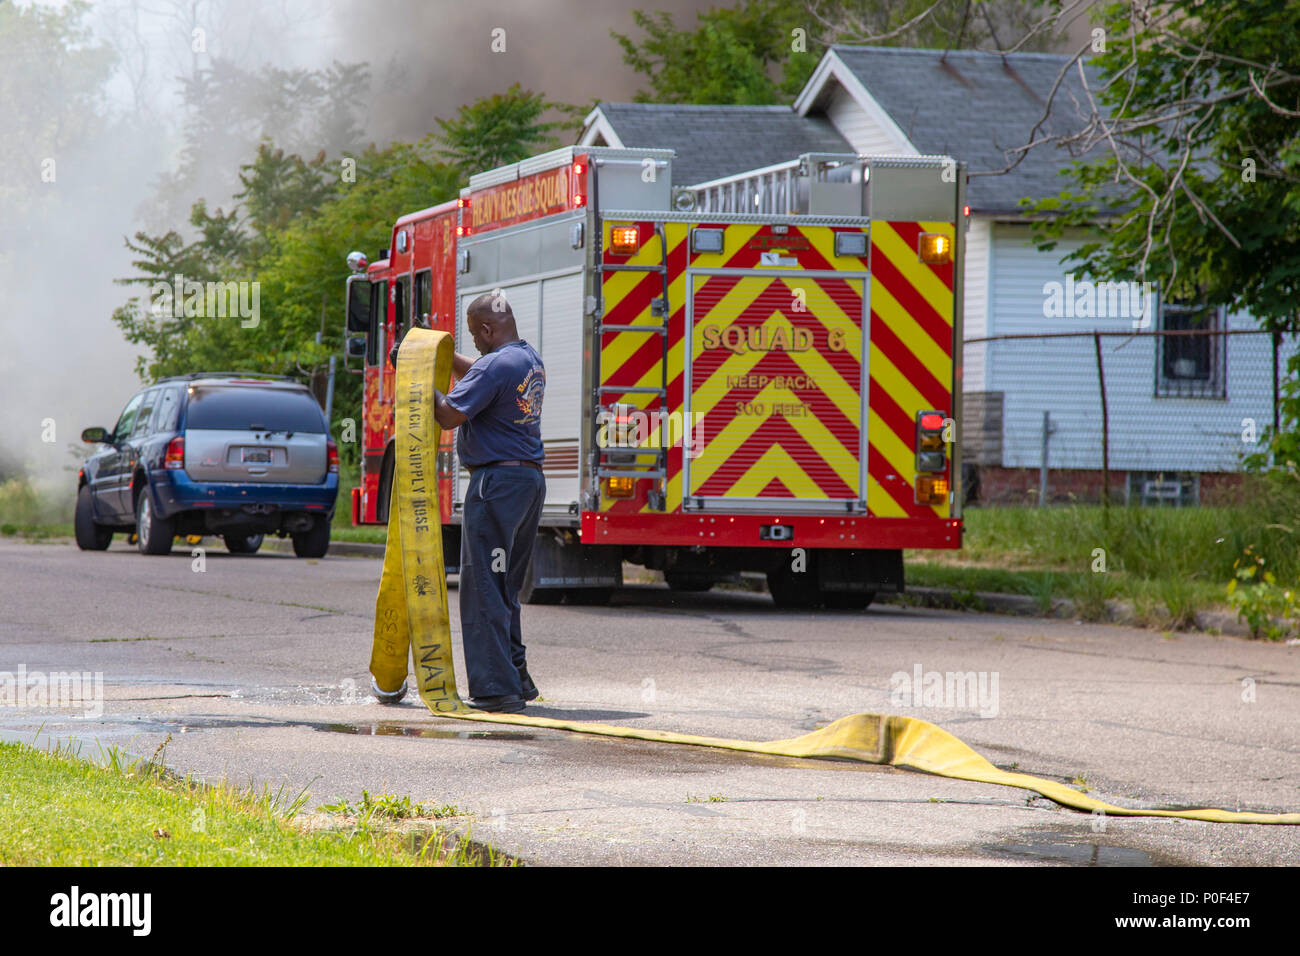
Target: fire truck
[757,373]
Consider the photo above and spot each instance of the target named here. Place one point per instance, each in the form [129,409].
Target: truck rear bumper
[175,492]
[759,530]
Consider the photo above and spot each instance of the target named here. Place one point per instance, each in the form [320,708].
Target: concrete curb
[1020,605]
[338,549]
[988,602]
[1117,612]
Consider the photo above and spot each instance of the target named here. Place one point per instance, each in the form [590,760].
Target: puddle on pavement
[1075,854]
[387,729]
[136,725]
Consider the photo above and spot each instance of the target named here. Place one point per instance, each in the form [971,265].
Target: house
[1181,410]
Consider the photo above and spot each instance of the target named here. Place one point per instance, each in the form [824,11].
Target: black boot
[530,689]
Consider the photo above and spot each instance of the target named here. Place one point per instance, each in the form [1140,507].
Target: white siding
[975,292]
[1060,376]
[863,133]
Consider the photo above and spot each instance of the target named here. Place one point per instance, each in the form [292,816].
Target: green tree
[763,51]
[51,84]
[1197,170]
[1195,164]
[729,58]
[278,189]
[500,129]
[230,110]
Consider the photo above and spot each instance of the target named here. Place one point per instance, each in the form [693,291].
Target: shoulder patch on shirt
[529,399]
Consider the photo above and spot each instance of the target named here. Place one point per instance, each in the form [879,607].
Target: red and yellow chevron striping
[775,381]
[910,361]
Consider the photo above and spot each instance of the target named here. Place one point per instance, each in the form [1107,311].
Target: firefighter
[496,405]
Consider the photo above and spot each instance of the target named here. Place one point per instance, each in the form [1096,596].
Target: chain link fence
[1150,417]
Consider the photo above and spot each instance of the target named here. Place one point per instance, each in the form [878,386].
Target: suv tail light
[332,449]
[175,457]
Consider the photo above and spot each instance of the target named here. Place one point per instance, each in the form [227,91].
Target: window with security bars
[1191,366]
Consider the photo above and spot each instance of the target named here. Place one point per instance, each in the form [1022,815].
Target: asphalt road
[256,667]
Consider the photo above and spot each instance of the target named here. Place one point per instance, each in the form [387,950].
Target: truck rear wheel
[589,597]
[384,492]
[529,594]
[848,600]
[685,581]
[793,589]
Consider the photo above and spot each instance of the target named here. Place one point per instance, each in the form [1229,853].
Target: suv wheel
[243,543]
[90,536]
[313,543]
[154,534]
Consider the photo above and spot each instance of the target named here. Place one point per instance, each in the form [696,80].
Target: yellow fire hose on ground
[412,627]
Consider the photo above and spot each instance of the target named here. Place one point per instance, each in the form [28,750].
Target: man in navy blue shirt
[497,406]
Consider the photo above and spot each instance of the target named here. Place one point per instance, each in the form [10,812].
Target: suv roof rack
[192,376]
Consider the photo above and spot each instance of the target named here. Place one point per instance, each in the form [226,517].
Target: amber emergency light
[934,248]
[620,487]
[624,240]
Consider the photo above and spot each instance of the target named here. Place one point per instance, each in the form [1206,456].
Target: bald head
[491,321]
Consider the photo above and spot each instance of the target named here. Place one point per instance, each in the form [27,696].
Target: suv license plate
[259,456]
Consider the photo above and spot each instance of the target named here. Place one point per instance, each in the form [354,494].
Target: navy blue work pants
[503,505]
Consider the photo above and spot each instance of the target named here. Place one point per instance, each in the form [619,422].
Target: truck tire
[793,590]
[589,597]
[528,594]
[90,536]
[384,492]
[684,581]
[848,600]
[154,534]
[243,543]
[313,543]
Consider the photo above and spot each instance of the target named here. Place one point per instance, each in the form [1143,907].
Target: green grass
[392,807]
[24,502]
[341,528]
[1168,562]
[36,532]
[368,534]
[1147,542]
[59,810]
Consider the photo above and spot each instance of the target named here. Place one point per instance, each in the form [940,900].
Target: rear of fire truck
[753,374]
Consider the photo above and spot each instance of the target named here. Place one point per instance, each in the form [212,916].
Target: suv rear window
[233,407]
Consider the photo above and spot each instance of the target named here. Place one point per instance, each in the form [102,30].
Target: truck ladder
[630,464]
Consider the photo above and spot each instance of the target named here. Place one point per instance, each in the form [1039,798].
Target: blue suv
[212,454]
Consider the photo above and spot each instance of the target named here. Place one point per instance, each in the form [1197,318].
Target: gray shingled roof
[971,106]
[715,141]
[968,105]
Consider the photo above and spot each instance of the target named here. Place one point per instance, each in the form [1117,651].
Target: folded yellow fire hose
[412,626]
